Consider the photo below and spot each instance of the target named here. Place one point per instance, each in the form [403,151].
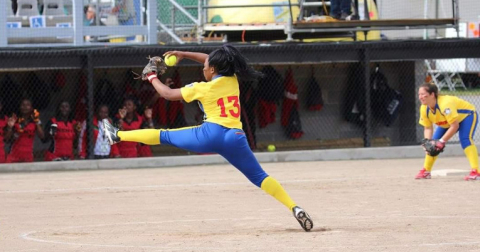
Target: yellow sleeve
[194,91]
[424,121]
[450,112]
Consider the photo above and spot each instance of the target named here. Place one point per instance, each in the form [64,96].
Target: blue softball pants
[210,137]
[466,131]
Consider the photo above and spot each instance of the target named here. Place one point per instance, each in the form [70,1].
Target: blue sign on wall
[14,25]
[37,22]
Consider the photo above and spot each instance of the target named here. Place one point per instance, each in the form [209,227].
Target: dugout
[342,71]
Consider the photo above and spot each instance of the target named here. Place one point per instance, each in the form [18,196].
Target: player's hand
[148,113]
[77,126]
[178,54]
[36,116]
[12,120]
[53,129]
[122,112]
[439,146]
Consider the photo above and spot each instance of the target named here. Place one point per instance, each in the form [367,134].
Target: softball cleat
[110,132]
[303,218]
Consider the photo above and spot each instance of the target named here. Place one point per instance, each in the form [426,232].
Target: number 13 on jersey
[232,102]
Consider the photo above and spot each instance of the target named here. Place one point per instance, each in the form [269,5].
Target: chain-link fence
[311,97]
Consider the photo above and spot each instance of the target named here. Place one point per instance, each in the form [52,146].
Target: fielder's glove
[433,147]
[156,66]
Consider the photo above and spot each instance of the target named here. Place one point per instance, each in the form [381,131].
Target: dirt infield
[369,205]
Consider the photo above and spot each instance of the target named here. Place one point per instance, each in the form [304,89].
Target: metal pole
[90,107]
[365,58]
[291,14]
[180,8]
[78,23]
[172,19]
[204,12]
[152,22]
[169,32]
[3,25]
[456,16]
[425,16]
[436,16]
[200,23]
[250,5]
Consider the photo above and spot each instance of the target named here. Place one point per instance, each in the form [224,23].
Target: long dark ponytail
[228,61]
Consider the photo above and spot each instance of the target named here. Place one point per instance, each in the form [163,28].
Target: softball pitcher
[221,131]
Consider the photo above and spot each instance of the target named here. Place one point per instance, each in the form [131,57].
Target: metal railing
[78,31]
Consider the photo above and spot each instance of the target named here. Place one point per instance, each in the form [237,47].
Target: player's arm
[451,131]
[164,90]
[38,124]
[10,127]
[451,114]
[195,56]
[428,132]
[47,132]
[40,132]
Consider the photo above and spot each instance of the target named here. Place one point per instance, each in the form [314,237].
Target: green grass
[461,91]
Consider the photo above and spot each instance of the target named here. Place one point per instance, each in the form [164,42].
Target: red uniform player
[63,131]
[24,130]
[129,119]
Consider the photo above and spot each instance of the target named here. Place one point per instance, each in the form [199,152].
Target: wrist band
[151,77]
[441,140]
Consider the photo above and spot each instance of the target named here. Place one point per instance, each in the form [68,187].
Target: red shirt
[25,134]
[62,144]
[129,149]
[3,124]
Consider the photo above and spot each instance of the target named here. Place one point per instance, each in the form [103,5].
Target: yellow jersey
[219,99]
[447,110]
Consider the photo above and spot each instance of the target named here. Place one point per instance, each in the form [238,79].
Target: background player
[129,119]
[221,131]
[26,126]
[63,130]
[450,114]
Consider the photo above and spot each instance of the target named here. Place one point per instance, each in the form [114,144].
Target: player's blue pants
[466,131]
[210,137]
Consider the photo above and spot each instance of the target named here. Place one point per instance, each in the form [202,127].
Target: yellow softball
[171,60]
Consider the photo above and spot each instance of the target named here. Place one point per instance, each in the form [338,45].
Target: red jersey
[22,148]
[130,149]
[3,124]
[62,142]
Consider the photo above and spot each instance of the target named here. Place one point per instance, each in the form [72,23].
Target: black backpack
[386,101]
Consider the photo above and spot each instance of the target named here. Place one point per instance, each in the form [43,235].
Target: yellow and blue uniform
[221,132]
[449,109]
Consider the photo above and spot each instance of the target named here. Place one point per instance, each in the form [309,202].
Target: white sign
[14,25]
[37,22]
[63,25]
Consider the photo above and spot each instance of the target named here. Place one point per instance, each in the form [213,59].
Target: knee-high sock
[272,187]
[429,161]
[146,136]
[472,156]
